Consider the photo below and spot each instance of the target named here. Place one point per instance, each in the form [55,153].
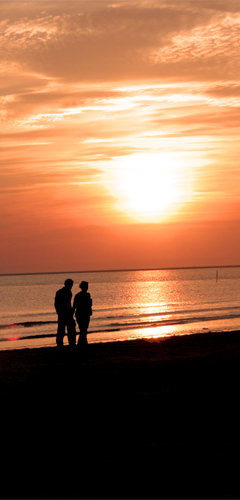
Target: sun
[147,186]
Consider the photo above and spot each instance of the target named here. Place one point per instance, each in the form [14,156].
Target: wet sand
[136,419]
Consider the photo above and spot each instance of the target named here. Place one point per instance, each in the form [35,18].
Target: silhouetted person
[82,305]
[63,306]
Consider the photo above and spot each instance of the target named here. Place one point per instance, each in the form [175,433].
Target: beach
[136,419]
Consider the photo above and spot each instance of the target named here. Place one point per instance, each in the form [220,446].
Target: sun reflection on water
[155,332]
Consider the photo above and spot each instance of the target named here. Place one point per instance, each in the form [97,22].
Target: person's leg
[82,338]
[60,331]
[71,329]
[83,326]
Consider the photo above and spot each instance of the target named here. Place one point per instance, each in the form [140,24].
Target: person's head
[84,286]
[68,283]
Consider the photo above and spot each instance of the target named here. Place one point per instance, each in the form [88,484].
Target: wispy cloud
[220,38]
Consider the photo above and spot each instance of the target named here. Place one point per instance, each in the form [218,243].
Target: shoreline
[195,345]
[157,339]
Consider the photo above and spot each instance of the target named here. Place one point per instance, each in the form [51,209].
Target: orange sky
[119,125]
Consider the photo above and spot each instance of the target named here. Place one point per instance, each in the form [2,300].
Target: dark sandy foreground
[131,420]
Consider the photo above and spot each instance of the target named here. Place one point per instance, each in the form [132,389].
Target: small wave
[27,324]
[174,321]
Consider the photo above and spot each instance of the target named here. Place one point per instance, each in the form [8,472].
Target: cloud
[51,44]
[224,89]
[92,41]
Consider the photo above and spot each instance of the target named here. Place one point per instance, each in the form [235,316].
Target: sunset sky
[120,134]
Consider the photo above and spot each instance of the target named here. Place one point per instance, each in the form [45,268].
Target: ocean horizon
[36,273]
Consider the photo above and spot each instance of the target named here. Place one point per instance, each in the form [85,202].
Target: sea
[127,305]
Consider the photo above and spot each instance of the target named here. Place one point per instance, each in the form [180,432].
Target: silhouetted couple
[82,307]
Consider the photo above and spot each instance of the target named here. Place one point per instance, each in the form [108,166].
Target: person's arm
[56,303]
[74,305]
[90,304]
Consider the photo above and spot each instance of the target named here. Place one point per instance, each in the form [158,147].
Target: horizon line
[122,270]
